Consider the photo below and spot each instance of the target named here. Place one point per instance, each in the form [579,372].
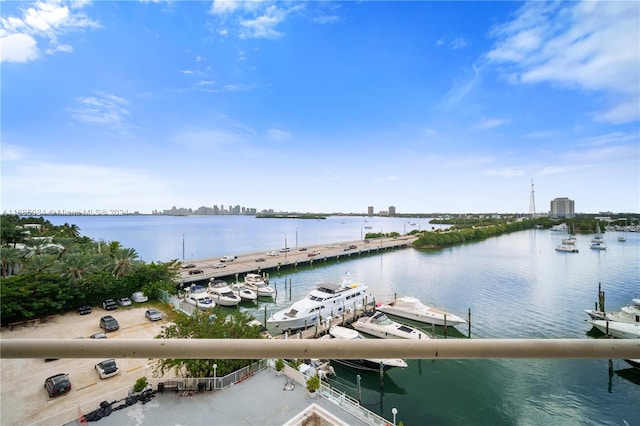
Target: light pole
[215,367]
[296,237]
[380,236]
[394,410]
[285,247]
[183,245]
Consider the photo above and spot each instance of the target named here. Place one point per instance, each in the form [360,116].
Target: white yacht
[244,292]
[621,330]
[258,284]
[630,314]
[411,308]
[322,302]
[197,295]
[221,293]
[379,325]
[368,364]
[567,248]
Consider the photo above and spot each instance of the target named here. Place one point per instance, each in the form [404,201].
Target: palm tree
[12,235]
[124,262]
[76,265]
[10,258]
[38,263]
[71,230]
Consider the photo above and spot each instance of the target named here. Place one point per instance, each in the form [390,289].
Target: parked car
[188,265]
[228,258]
[57,385]
[109,323]
[139,297]
[107,368]
[109,305]
[219,265]
[196,271]
[98,336]
[84,309]
[124,301]
[153,314]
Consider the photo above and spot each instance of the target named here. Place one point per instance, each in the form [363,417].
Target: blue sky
[320,106]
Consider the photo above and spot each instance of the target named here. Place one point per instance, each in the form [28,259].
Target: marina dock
[261,262]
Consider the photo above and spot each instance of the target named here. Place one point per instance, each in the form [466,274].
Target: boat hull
[412,309]
[621,330]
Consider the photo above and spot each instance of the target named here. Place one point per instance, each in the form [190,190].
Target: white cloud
[327,19]
[104,110]
[490,123]
[613,138]
[460,89]
[18,48]
[263,26]
[576,45]
[277,135]
[550,170]
[47,20]
[505,172]
[458,43]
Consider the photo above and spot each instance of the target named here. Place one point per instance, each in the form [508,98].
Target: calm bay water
[516,285]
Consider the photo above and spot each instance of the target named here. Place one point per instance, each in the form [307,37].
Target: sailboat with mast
[597,242]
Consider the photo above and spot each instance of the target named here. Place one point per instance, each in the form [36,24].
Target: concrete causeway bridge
[199,270]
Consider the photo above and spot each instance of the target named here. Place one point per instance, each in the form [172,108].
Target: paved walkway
[261,401]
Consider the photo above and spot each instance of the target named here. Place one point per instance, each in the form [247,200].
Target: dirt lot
[23,399]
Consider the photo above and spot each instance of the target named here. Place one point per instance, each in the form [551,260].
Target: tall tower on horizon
[532,203]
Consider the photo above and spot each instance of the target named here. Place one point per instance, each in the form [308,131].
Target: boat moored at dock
[258,284]
[222,294]
[411,308]
[379,325]
[324,301]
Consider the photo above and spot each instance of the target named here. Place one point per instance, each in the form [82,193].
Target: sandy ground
[23,399]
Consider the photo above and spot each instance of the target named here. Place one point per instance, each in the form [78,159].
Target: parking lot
[22,395]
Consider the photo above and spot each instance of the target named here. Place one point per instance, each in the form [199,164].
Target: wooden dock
[260,262]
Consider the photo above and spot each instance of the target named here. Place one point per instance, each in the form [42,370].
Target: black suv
[57,385]
[84,309]
[109,323]
[110,305]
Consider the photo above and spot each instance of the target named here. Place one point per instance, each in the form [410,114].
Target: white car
[227,258]
[124,301]
[273,253]
[139,297]
[107,368]
[219,265]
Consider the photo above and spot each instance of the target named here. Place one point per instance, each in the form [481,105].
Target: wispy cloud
[278,135]
[458,43]
[461,87]
[327,19]
[550,170]
[105,109]
[506,173]
[490,123]
[45,21]
[252,19]
[576,45]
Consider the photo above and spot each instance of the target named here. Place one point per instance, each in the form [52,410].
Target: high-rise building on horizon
[562,207]
[370,210]
[392,210]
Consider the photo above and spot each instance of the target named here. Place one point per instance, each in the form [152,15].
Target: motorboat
[567,248]
[379,325]
[598,245]
[621,330]
[324,301]
[258,284]
[569,241]
[221,293]
[244,292]
[630,314]
[411,308]
[198,296]
[368,364]
[562,227]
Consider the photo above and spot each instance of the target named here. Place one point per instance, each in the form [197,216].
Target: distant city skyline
[319,106]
